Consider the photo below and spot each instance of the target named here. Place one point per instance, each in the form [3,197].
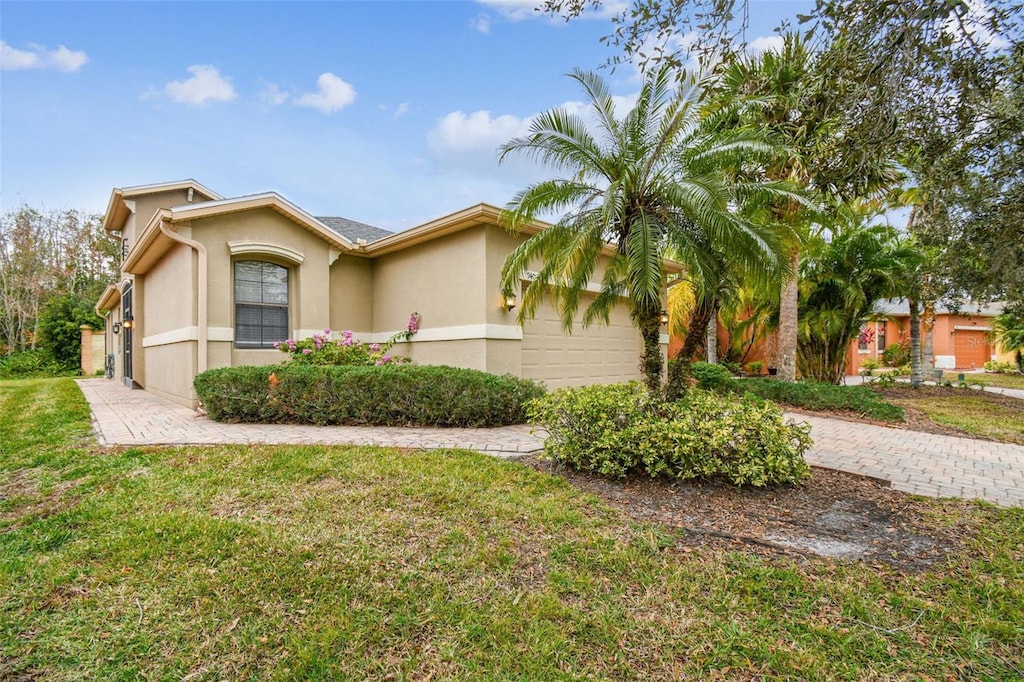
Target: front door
[126,332]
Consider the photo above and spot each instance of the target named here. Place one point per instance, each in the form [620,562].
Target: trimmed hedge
[814,395]
[390,395]
[619,429]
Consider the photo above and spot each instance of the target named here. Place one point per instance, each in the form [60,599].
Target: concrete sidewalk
[914,462]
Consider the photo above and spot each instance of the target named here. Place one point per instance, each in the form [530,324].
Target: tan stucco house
[208,281]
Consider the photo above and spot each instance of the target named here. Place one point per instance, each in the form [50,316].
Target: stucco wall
[166,375]
[443,280]
[308,282]
[351,292]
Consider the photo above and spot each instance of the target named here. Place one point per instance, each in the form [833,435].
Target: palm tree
[846,271]
[652,183]
[1008,330]
[794,102]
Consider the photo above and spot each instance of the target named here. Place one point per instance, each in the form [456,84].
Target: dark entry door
[127,327]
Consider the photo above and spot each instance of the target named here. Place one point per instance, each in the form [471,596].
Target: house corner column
[86,350]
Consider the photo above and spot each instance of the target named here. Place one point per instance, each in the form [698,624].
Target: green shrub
[755,367]
[1000,367]
[712,377]
[869,365]
[30,363]
[390,395]
[619,429]
[60,323]
[897,354]
[814,395]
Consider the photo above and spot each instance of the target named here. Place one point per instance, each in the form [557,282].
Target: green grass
[363,563]
[973,415]
[992,379]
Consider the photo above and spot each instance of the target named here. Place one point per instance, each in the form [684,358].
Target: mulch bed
[832,515]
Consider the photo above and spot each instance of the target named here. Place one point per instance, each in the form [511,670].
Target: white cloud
[333,94]
[459,132]
[401,110]
[273,95]
[518,10]
[763,44]
[39,57]
[205,85]
[481,24]
[973,23]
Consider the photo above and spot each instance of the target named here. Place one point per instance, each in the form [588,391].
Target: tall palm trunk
[916,375]
[788,314]
[711,342]
[928,336]
[696,332]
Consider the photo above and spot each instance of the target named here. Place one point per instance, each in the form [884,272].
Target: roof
[117,212]
[352,230]
[899,307]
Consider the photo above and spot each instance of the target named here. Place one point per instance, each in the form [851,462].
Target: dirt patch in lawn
[833,515]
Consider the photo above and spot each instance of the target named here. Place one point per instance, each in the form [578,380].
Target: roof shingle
[352,230]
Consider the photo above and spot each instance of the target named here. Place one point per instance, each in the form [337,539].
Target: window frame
[264,344]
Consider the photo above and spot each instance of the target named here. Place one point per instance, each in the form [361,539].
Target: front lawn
[974,413]
[993,379]
[367,563]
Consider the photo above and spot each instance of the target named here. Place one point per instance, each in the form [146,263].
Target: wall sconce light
[663,317]
[128,322]
[117,327]
[509,302]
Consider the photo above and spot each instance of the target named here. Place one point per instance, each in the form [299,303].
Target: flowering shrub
[322,350]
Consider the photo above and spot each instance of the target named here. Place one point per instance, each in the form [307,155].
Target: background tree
[44,255]
[1008,330]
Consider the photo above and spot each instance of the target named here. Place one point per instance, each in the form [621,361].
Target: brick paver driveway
[914,462]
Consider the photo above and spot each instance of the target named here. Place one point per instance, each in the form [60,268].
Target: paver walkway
[914,462]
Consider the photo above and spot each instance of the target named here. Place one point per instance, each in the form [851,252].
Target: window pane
[274,292]
[248,270]
[250,292]
[261,298]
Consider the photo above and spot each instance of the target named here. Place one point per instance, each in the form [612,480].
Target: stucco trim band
[971,328]
[183,334]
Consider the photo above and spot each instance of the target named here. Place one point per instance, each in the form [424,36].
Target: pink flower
[383,361]
[277,345]
[414,323]
[374,347]
[306,351]
[327,331]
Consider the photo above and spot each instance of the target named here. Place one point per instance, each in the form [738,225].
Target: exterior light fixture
[128,322]
[509,302]
[663,317]
[117,327]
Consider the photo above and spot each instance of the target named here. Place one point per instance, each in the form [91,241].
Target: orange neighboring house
[961,339]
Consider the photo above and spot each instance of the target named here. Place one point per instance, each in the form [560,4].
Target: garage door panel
[597,354]
[970,348]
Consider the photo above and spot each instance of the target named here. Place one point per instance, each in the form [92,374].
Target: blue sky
[383,112]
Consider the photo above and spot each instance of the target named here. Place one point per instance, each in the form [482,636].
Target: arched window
[261,304]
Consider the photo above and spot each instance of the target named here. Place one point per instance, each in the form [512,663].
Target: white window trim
[251,248]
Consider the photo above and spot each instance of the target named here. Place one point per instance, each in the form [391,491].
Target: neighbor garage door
[971,348]
[599,354]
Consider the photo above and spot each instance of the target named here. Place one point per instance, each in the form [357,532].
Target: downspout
[201,304]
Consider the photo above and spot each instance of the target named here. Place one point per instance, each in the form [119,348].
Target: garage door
[970,348]
[599,354]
